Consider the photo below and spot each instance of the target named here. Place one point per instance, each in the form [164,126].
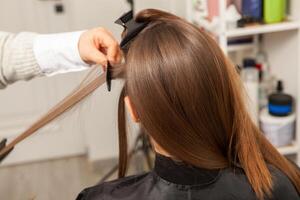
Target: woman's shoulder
[231,184]
[115,189]
[235,181]
[283,188]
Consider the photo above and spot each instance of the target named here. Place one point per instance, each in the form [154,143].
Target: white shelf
[240,47]
[288,150]
[259,29]
[282,50]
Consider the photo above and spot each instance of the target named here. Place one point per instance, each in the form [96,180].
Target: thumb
[97,57]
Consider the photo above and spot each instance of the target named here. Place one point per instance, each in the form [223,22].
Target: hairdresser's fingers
[119,56]
[97,46]
[110,45]
[97,57]
[89,50]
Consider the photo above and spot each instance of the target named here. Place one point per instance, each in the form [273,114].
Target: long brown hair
[189,99]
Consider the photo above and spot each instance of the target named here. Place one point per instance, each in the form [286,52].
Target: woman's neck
[158,149]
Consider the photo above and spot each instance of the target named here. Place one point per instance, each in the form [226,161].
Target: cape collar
[180,173]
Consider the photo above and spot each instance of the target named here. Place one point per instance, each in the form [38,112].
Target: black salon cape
[172,180]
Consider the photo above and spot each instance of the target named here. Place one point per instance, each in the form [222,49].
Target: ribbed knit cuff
[19,60]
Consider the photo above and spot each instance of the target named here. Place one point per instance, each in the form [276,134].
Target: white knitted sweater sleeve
[17,60]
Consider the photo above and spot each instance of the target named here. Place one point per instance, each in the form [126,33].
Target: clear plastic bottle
[250,78]
[266,79]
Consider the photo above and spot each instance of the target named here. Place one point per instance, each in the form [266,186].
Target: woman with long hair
[189,99]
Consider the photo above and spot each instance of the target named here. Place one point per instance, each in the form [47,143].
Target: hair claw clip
[132,29]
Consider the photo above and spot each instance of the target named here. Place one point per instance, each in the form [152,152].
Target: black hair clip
[132,29]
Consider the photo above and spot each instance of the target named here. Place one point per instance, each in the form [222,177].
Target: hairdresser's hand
[98,46]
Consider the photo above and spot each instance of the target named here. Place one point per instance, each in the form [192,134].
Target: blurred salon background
[262,37]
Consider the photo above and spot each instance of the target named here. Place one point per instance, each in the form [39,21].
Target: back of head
[179,83]
[189,100]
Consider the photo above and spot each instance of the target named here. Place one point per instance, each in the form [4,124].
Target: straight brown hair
[189,99]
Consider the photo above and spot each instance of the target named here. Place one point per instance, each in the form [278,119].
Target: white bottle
[250,79]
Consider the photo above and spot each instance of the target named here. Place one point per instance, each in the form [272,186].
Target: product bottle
[252,9]
[280,103]
[263,68]
[250,79]
[213,8]
[274,10]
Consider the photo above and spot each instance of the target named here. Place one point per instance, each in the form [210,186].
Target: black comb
[108,77]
